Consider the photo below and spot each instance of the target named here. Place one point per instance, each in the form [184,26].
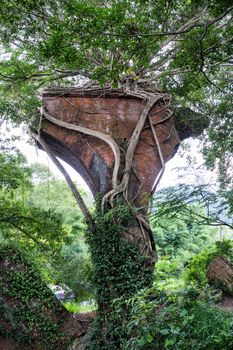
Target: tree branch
[185,28]
[67,177]
[160,156]
[151,100]
[22,230]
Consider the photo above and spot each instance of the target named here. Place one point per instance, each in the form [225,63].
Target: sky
[177,170]
[170,176]
[35,155]
[185,167]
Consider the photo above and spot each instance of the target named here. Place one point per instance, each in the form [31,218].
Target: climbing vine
[30,314]
[119,272]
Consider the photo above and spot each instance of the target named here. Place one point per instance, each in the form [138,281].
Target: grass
[75,307]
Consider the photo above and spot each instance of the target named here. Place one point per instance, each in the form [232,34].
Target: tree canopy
[21,221]
[183,47]
[108,40]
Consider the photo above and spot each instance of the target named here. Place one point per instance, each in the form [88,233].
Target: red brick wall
[117,117]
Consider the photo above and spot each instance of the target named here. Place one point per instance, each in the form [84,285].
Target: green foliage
[71,265]
[51,193]
[50,230]
[75,271]
[168,274]
[74,307]
[118,42]
[174,318]
[219,150]
[177,321]
[19,221]
[111,42]
[180,238]
[13,164]
[27,306]
[197,204]
[39,214]
[118,266]
[178,235]
[183,47]
[102,38]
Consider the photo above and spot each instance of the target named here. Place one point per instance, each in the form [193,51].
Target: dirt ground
[78,324]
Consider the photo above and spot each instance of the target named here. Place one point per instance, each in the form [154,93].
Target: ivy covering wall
[119,272]
[30,315]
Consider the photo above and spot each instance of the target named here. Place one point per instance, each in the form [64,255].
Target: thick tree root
[122,187]
[90,132]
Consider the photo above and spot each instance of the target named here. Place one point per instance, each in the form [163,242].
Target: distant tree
[72,265]
[196,203]
[29,225]
[50,192]
[181,237]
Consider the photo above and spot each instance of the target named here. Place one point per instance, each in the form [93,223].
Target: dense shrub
[30,315]
[183,321]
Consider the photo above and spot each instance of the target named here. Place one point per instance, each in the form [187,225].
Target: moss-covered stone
[30,315]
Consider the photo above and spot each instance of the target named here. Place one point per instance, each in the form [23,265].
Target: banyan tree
[163,74]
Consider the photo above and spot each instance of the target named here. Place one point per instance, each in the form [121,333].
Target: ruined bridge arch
[118,142]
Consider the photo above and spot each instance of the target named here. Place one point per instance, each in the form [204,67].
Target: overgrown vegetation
[196,272]
[119,270]
[30,314]
[178,311]
[20,221]
[183,48]
[39,215]
[51,193]
[185,317]
[185,320]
